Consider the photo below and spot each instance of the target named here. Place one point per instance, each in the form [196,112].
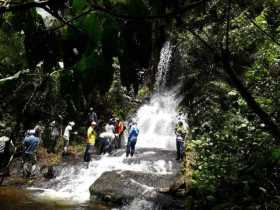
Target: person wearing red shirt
[119,129]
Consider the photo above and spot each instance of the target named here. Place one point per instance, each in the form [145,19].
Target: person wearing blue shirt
[30,144]
[132,139]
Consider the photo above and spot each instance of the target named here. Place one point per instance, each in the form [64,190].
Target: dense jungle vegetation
[102,53]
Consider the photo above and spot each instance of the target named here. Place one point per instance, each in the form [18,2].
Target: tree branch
[97,7]
[71,20]
[101,9]
[65,22]
[14,77]
[24,6]
[261,30]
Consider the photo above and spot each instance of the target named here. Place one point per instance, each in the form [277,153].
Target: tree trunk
[270,124]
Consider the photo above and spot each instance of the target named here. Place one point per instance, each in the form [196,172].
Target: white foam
[137,204]
[157,120]
[73,185]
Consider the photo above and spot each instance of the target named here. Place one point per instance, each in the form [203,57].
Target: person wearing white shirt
[66,135]
[110,127]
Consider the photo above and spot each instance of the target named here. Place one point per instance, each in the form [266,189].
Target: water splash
[156,121]
[138,204]
[74,181]
[163,66]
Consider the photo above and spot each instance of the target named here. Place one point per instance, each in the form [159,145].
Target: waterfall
[163,66]
[156,121]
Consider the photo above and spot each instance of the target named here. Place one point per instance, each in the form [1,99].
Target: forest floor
[45,160]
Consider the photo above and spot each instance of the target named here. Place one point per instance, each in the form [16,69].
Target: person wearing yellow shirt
[181,134]
[91,137]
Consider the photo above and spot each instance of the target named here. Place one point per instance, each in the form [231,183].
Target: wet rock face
[157,160]
[121,187]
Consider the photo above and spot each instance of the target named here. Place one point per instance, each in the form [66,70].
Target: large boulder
[123,186]
[155,183]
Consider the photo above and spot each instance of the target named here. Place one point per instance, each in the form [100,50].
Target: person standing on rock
[7,150]
[5,144]
[30,143]
[54,136]
[66,136]
[109,127]
[119,129]
[92,116]
[105,140]
[181,133]
[132,139]
[91,138]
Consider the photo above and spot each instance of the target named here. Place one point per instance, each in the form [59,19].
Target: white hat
[133,121]
[93,123]
[38,128]
[72,123]
[4,139]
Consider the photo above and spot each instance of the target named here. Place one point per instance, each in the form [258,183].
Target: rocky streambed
[156,183]
[151,178]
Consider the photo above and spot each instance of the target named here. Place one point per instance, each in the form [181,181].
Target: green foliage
[275,154]
[235,152]
[115,100]
[144,91]
[92,24]
[78,5]
[106,38]
[12,50]
[137,8]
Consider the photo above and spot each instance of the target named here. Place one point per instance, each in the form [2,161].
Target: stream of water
[156,121]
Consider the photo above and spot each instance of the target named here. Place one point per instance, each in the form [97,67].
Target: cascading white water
[73,183]
[138,205]
[163,66]
[156,121]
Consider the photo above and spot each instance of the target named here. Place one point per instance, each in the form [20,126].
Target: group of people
[110,136]
[29,159]
[102,140]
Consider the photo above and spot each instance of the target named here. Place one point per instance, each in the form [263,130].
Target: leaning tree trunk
[271,126]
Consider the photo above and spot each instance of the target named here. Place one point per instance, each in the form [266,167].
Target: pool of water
[12,198]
